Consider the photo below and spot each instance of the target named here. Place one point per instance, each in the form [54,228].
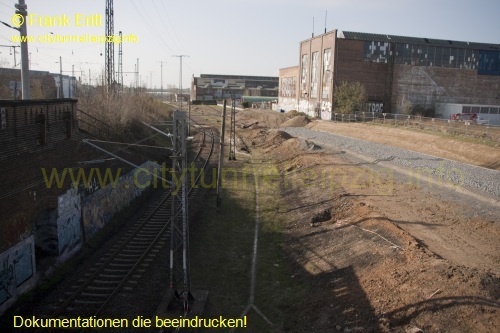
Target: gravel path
[471,176]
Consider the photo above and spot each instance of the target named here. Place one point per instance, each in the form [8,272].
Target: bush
[349,97]
[245,105]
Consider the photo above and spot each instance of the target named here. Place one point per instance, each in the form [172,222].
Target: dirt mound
[298,121]
[274,138]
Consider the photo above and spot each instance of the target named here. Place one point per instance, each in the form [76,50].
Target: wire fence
[470,129]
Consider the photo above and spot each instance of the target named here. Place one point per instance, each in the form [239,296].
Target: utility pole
[137,74]
[221,157]
[232,133]
[22,9]
[120,64]
[110,47]
[179,232]
[61,90]
[180,78]
[161,73]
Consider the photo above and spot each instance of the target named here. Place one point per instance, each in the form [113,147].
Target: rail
[154,220]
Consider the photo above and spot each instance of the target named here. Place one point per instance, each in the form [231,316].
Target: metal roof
[416,40]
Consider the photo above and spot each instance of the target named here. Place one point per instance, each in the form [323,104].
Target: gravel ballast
[474,177]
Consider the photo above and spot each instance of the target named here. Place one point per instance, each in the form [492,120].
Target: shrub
[349,97]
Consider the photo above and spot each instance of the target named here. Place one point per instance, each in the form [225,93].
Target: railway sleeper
[148,234]
[134,255]
[148,229]
[113,276]
[86,302]
[108,289]
[136,248]
[94,295]
[115,264]
[140,242]
[107,281]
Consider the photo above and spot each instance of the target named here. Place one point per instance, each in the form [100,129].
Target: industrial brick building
[423,71]
[43,84]
[46,213]
[209,87]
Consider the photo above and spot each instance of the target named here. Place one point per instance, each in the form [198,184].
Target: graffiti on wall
[101,206]
[287,104]
[67,202]
[69,228]
[375,106]
[288,86]
[17,269]
[326,110]
[69,232]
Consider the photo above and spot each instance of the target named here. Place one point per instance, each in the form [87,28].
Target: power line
[10,7]
[149,24]
[165,11]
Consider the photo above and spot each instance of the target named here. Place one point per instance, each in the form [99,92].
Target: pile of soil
[298,121]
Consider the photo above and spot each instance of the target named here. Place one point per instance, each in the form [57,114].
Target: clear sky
[246,37]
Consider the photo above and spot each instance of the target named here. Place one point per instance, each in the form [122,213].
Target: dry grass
[123,111]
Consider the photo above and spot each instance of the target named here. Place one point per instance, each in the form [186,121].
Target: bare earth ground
[384,256]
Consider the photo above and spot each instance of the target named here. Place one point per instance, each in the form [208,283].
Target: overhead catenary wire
[131,144]
[126,161]
[27,187]
[150,25]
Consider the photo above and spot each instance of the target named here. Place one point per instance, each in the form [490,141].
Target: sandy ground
[384,258]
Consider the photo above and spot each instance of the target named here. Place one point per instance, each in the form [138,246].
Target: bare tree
[404,105]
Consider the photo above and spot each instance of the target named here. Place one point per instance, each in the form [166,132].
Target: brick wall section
[317,103]
[423,86]
[426,86]
[352,68]
[42,84]
[23,192]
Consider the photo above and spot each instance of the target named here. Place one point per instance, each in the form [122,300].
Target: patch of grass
[440,134]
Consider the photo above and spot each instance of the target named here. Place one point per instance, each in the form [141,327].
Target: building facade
[392,69]
[209,87]
[42,84]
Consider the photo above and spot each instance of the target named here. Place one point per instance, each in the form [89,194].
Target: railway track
[123,265]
